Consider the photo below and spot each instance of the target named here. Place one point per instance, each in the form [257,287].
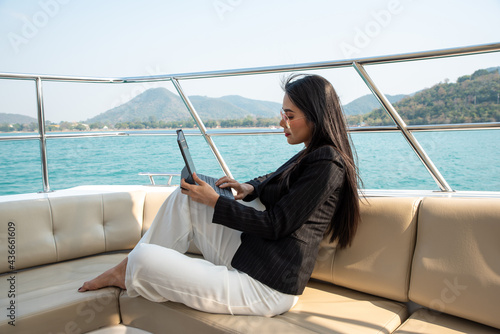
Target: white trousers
[158,270]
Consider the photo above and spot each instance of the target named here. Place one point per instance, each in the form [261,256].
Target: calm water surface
[468,160]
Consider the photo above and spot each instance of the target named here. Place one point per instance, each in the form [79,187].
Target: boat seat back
[379,260]
[456,266]
[54,229]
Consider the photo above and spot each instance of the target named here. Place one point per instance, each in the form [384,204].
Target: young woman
[255,261]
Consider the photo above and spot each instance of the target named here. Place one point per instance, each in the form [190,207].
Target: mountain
[473,98]
[159,103]
[367,103]
[16,119]
[163,105]
[259,108]
[493,69]
[215,108]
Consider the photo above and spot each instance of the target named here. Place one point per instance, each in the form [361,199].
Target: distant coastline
[152,124]
[195,128]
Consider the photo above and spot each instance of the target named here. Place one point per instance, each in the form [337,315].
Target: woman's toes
[83,288]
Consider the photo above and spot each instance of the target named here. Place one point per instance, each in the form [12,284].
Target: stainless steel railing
[358,64]
[401,125]
[152,175]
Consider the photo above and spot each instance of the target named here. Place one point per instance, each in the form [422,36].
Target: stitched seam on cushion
[71,303]
[384,329]
[176,306]
[294,322]
[103,222]
[52,223]
[416,213]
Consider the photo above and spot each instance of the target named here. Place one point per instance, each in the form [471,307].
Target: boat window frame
[357,63]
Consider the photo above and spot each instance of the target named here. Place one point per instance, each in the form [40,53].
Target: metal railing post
[202,127]
[419,151]
[41,132]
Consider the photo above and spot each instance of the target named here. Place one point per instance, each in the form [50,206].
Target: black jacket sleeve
[317,176]
[256,183]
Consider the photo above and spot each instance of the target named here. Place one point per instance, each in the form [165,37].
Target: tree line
[472,99]
[152,123]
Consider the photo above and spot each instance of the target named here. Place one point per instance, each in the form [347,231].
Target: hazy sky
[118,38]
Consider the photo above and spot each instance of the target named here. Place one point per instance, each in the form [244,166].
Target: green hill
[367,103]
[157,103]
[162,105]
[259,108]
[472,99]
[215,108]
[16,122]
[16,119]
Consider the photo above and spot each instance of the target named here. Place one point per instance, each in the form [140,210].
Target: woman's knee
[143,255]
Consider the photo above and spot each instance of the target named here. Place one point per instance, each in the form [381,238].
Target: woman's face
[299,130]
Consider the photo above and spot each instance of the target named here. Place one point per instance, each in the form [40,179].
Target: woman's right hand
[242,189]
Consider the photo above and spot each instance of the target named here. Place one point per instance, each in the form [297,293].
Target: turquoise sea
[468,160]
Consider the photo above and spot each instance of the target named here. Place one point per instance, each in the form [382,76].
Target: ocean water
[468,160]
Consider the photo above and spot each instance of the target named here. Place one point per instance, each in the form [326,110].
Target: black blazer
[279,245]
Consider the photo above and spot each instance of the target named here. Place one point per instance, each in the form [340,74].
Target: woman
[255,262]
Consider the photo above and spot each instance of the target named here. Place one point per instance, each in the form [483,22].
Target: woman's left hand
[201,192]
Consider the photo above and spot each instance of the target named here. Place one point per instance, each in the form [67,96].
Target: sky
[121,38]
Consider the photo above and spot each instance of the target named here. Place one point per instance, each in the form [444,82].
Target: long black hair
[317,99]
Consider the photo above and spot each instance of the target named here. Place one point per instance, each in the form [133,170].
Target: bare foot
[112,277]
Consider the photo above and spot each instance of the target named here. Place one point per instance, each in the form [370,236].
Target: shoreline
[143,130]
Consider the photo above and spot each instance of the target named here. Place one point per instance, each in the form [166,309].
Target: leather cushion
[379,260]
[57,228]
[424,321]
[323,308]
[47,299]
[456,267]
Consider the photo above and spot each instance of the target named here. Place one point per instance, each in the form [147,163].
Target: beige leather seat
[59,233]
[323,308]
[119,329]
[449,262]
[428,321]
[47,299]
[456,266]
